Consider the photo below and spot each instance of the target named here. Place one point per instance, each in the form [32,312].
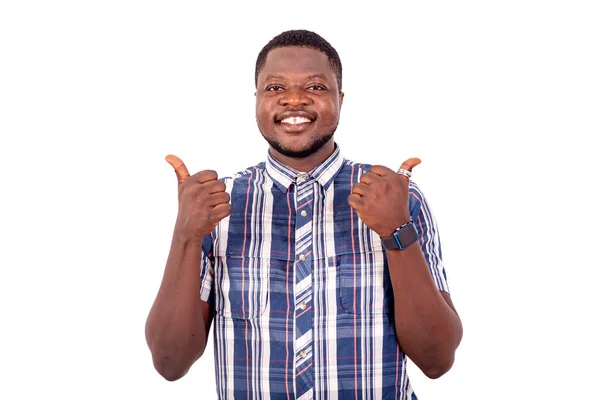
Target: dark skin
[298,106]
[178,324]
[427,325]
[298,82]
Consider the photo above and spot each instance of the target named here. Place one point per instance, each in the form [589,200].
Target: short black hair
[301,38]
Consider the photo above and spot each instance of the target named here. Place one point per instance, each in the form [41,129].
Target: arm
[427,327]
[179,321]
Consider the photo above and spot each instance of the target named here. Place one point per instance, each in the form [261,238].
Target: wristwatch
[402,237]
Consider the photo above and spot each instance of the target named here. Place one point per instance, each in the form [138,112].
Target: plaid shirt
[301,291]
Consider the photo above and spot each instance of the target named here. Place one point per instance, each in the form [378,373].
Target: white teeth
[295,120]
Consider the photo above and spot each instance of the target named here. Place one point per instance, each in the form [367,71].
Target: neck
[307,163]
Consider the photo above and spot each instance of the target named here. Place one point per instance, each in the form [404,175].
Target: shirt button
[302,354]
[301,178]
[303,306]
[303,213]
[302,257]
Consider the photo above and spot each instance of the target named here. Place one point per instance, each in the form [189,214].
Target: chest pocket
[242,285]
[364,282]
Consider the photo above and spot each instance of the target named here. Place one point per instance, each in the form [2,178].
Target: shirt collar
[324,173]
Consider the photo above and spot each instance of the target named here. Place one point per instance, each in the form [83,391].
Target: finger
[205,176]
[221,211]
[218,198]
[355,201]
[361,189]
[369,178]
[208,187]
[410,163]
[380,170]
[179,167]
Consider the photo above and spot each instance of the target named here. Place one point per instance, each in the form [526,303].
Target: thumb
[410,163]
[180,169]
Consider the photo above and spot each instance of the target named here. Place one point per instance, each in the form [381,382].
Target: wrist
[389,230]
[186,237]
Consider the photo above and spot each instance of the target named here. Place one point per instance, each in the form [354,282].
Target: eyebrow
[271,76]
[317,76]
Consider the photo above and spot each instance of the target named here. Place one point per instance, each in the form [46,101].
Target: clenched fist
[381,198]
[203,201]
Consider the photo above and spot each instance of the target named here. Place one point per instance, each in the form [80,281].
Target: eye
[317,87]
[274,88]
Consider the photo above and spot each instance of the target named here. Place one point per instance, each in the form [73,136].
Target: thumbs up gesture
[380,198]
[203,201]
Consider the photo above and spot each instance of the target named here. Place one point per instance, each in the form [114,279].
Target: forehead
[296,61]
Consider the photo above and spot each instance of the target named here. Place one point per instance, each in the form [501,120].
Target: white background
[501,100]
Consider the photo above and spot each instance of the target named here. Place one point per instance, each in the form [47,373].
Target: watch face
[407,235]
[402,238]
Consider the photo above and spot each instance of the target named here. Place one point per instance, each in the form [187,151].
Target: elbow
[439,368]
[434,373]
[172,366]
[172,360]
[441,358]
[171,376]
[168,369]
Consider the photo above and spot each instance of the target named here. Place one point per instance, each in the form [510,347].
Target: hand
[381,198]
[203,201]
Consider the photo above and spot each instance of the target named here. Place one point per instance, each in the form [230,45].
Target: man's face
[297,101]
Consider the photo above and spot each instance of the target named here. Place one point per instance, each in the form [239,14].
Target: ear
[341,98]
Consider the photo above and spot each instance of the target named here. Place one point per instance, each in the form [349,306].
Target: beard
[312,148]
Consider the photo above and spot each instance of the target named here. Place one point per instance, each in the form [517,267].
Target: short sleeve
[428,235]
[207,271]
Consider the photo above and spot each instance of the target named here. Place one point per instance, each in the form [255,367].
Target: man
[321,274]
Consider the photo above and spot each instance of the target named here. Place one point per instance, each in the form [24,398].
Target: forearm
[427,327]
[175,328]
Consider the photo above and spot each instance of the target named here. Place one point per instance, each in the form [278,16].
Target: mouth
[294,121]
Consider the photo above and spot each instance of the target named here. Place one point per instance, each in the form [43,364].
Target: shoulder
[359,168]
[417,198]
[245,175]
[352,170]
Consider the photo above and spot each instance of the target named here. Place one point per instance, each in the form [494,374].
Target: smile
[296,120]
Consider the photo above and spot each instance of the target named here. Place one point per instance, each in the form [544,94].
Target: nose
[294,97]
